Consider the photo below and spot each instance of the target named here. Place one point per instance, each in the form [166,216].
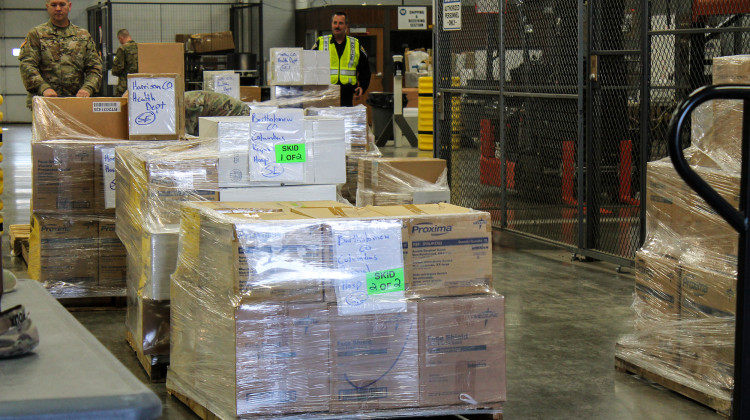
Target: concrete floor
[562,321]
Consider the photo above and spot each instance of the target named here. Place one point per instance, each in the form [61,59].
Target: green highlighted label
[290,153]
[385,281]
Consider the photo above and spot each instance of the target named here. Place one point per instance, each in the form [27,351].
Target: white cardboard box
[285,193]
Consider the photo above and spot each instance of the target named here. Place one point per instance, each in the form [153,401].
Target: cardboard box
[386,174]
[156,106]
[250,94]
[462,350]
[374,361]
[282,363]
[657,283]
[707,292]
[285,193]
[112,256]
[162,57]
[447,249]
[666,199]
[308,96]
[210,42]
[79,119]
[64,253]
[63,177]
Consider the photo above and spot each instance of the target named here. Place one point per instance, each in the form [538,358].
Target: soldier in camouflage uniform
[202,103]
[126,60]
[59,58]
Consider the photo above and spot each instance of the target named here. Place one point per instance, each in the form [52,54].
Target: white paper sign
[227,83]
[287,65]
[108,170]
[273,127]
[412,18]
[362,248]
[451,15]
[151,106]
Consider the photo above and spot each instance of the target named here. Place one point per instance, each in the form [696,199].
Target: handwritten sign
[151,106]
[287,65]
[366,254]
[271,127]
[226,82]
[108,171]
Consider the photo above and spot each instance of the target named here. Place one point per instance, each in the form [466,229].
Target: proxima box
[79,118]
[462,350]
[447,248]
[374,361]
[282,358]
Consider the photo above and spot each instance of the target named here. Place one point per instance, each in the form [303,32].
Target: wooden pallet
[95,303]
[722,406]
[155,366]
[206,414]
[19,234]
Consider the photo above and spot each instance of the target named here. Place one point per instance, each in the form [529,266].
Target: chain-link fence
[549,110]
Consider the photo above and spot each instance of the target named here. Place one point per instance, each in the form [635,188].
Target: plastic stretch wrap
[295,66]
[355,124]
[280,309]
[391,181]
[349,189]
[303,97]
[73,247]
[686,271]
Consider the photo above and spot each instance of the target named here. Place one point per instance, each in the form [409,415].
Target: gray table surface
[70,374]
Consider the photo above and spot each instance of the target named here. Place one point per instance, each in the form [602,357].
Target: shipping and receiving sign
[451,15]
[412,18]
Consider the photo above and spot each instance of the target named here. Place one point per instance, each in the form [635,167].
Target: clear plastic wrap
[355,123]
[295,66]
[316,310]
[686,271]
[73,247]
[391,181]
[303,96]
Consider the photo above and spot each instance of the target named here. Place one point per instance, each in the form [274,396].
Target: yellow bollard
[426,111]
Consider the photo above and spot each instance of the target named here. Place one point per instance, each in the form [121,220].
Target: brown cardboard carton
[156,107]
[666,199]
[733,69]
[725,135]
[383,173]
[447,249]
[162,57]
[462,350]
[707,291]
[79,118]
[63,177]
[250,94]
[64,252]
[282,358]
[112,256]
[374,361]
[657,283]
[209,42]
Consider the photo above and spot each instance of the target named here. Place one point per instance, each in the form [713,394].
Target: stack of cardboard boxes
[235,159]
[335,309]
[686,272]
[73,247]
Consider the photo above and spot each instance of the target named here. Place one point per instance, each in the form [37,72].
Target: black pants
[347,94]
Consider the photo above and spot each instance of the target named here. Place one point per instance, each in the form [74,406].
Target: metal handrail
[736,218]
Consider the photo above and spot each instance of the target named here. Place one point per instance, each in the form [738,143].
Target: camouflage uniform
[202,103]
[64,59]
[126,62]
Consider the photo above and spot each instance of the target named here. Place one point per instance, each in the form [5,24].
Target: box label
[272,127]
[363,247]
[152,105]
[385,281]
[290,153]
[106,107]
[108,172]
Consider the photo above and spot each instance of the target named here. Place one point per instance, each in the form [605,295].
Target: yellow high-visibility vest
[344,69]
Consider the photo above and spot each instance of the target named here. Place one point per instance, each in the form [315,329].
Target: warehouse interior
[617,284]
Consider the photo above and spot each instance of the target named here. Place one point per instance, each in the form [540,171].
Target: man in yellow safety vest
[349,65]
